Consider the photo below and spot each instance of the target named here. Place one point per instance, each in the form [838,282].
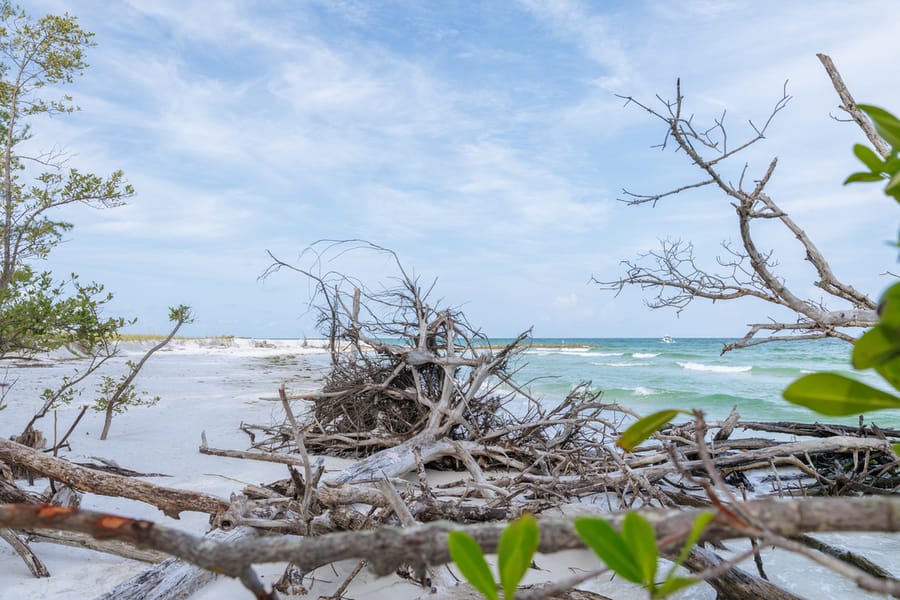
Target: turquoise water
[650,374]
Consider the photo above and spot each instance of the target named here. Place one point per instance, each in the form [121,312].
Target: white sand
[213,386]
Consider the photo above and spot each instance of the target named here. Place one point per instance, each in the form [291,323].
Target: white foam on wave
[692,366]
[572,352]
[642,391]
[579,351]
[618,364]
[608,354]
[232,346]
[645,355]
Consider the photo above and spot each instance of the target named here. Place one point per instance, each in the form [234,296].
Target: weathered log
[401,459]
[172,579]
[171,501]
[818,429]
[82,540]
[387,548]
[727,425]
[734,583]
[763,455]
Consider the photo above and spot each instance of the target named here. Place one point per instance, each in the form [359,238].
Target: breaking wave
[693,366]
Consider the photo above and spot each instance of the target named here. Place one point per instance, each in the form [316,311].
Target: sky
[484,142]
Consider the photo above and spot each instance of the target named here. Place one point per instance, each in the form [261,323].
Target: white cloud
[484,150]
[566,301]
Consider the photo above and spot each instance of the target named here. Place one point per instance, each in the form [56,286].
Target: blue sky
[483,142]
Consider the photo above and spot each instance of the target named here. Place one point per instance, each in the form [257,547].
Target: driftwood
[172,578]
[31,560]
[822,429]
[388,548]
[169,500]
[81,540]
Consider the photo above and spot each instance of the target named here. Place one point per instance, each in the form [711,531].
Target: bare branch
[426,545]
[676,278]
[848,105]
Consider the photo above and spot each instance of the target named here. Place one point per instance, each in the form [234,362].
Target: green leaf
[890,372]
[896,449]
[893,186]
[672,585]
[863,176]
[516,547]
[876,347]
[887,125]
[869,158]
[837,396]
[697,528]
[640,537]
[889,308]
[892,164]
[609,546]
[879,348]
[643,428]
[469,559]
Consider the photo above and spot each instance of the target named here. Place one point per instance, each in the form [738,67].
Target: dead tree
[672,272]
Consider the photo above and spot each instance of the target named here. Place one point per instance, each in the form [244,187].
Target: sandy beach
[213,386]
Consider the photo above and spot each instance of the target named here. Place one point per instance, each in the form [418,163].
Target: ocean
[652,374]
[643,374]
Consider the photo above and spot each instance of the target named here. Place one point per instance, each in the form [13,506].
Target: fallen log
[82,540]
[387,548]
[173,578]
[819,429]
[171,501]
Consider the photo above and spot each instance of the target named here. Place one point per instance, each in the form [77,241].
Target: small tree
[36,312]
[119,396]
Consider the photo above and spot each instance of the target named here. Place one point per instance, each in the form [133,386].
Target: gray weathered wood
[172,579]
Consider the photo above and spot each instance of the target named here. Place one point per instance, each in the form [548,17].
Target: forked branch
[673,274]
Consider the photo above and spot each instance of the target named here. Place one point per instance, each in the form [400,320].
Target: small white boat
[667,339]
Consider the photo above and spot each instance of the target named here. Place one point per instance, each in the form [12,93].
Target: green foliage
[634,554]
[116,396]
[888,127]
[39,314]
[113,395]
[879,348]
[837,396]
[469,559]
[516,548]
[37,58]
[643,428]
